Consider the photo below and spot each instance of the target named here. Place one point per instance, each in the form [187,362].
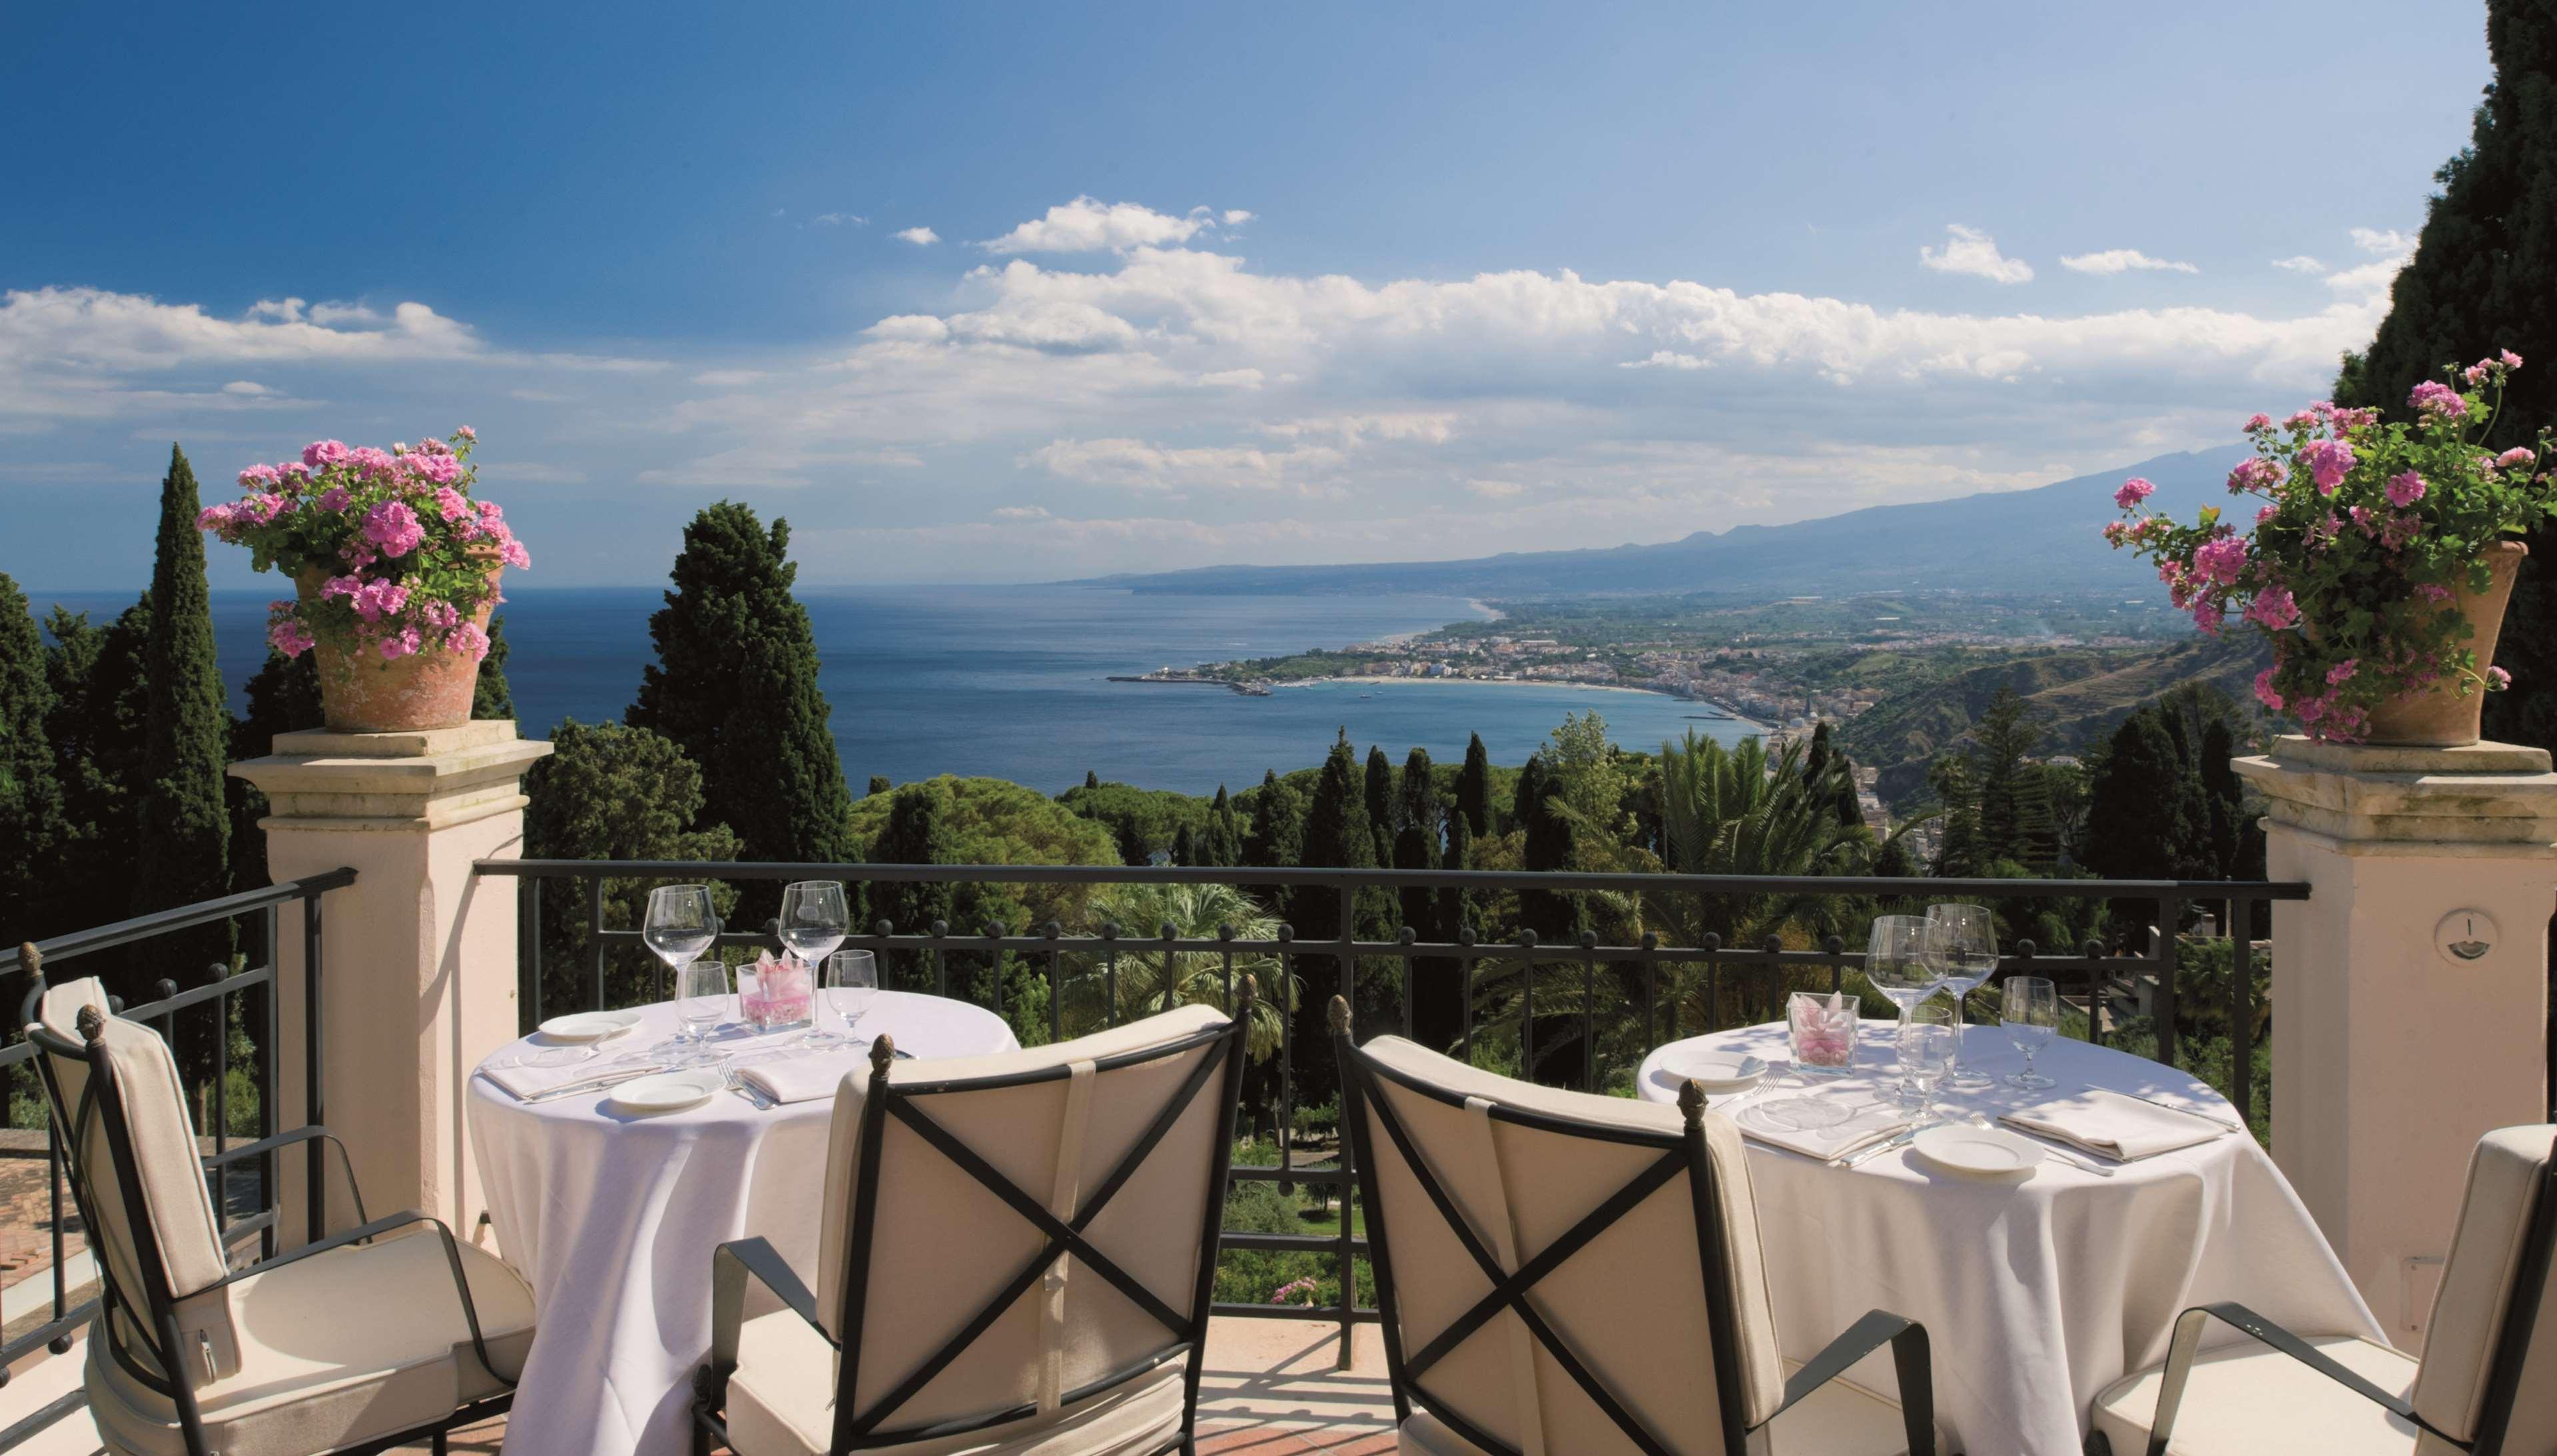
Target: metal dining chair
[384,1334]
[2487,1382]
[1565,1274]
[1016,1253]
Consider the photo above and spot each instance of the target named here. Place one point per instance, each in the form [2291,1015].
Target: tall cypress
[283,698]
[735,685]
[31,794]
[1337,835]
[2479,282]
[1557,917]
[1277,835]
[1383,812]
[182,847]
[1420,804]
[1475,788]
[2141,812]
[97,732]
[492,699]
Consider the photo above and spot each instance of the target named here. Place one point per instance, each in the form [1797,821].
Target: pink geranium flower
[2264,693]
[2329,462]
[2133,492]
[2274,608]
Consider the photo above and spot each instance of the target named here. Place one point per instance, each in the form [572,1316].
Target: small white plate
[1719,1071]
[668,1092]
[589,1025]
[1976,1152]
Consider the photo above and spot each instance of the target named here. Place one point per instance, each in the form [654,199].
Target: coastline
[1728,713]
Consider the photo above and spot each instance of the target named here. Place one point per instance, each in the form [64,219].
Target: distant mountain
[2042,539]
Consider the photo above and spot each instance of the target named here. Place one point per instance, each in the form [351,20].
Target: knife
[595,1084]
[2211,1118]
[1862,1155]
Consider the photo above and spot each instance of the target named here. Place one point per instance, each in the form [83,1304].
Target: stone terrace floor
[1269,1389]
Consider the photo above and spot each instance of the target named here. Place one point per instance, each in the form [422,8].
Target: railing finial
[883,1052]
[92,1024]
[1339,1015]
[32,959]
[1692,1103]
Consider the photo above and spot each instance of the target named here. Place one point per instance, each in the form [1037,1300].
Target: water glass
[2031,1014]
[1898,963]
[701,1001]
[1821,1029]
[815,918]
[1927,1043]
[1963,942]
[681,923]
[852,984]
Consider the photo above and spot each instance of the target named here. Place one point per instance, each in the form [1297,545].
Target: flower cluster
[2362,538]
[393,554]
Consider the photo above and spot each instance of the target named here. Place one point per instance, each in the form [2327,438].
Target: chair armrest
[2187,1343]
[1909,1357]
[732,1266]
[366,1232]
[280,1141]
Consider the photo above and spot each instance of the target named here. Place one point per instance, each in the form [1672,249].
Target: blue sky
[1202,284]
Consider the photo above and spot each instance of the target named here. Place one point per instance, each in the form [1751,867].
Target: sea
[1011,682]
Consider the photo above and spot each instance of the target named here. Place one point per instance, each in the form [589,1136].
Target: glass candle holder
[1822,1028]
[776,993]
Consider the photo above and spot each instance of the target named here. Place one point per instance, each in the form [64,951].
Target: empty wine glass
[815,918]
[852,984]
[1927,1044]
[701,1000]
[1897,962]
[1965,944]
[2031,1011]
[681,923]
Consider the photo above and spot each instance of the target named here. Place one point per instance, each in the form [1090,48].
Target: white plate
[1719,1071]
[589,1025]
[1976,1152]
[668,1092]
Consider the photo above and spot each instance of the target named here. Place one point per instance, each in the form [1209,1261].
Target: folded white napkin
[2109,1124]
[800,1078]
[1872,1123]
[525,1082]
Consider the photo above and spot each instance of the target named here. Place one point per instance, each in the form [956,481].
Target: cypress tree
[182,847]
[1277,835]
[1383,811]
[31,795]
[1091,780]
[1530,791]
[2479,282]
[1552,845]
[283,698]
[879,785]
[735,685]
[97,732]
[2140,812]
[1337,835]
[492,699]
[1420,804]
[917,832]
[1221,844]
[2223,800]
[1184,847]
[1474,789]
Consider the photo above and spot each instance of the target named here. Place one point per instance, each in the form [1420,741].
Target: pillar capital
[433,779]
[2484,800]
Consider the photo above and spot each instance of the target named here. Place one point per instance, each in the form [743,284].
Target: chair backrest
[131,1154]
[1007,1235]
[2489,1373]
[1559,1271]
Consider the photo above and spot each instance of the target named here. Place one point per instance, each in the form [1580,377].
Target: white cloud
[249,387]
[1021,513]
[2367,281]
[2302,263]
[1496,489]
[841,219]
[921,237]
[2382,240]
[1236,216]
[1969,250]
[2123,260]
[1661,358]
[1088,226]
[1137,465]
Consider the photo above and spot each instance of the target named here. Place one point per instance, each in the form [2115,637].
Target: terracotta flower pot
[360,693]
[2441,716]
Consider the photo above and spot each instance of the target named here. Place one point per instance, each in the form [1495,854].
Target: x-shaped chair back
[1011,1235]
[1561,1274]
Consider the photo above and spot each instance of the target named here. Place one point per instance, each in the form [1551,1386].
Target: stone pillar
[417,979]
[2410,990]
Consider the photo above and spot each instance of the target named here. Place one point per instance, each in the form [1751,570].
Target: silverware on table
[2211,1118]
[1865,1154]
[2065,1153]
[595,1084]
[754,1095]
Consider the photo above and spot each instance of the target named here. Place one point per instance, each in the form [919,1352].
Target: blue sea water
[1009,681]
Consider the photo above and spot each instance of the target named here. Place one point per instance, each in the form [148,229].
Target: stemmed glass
[852,984]
[2031,1014]
[701,1000]
[1964,945]
[681,923]
[1927,1040]
[815,918]
[1898,963]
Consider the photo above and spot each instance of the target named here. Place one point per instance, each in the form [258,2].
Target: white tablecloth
[2036,1294]
[612,1219]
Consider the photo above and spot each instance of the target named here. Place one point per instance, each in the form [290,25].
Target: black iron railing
[1712,985]
[224,994]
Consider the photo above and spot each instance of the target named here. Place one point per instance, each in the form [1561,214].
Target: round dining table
[613,1217]
[2037,1290]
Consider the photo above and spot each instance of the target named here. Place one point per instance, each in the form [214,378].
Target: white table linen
[612,1219]
[2109,1124]
[2036,1292]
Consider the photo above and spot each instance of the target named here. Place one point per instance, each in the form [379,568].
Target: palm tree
[1112,989]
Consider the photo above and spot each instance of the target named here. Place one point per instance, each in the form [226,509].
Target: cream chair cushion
[781,1402]
[944,1244]
[2461,1339]
[1838,1419]
[2245,1400]
[358,1342]
[1630,1305]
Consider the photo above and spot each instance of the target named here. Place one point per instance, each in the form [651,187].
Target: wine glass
[1928,1041]
[815,918]
[1897,962]
[681,923]
[701,1000]
[1965,944]
[2031,1014]
[852,984]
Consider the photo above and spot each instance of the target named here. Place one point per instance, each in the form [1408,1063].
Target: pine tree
[31,795]
[2223,800]
[1474,789]
[492,699]
[182,849]
[2479,282]
[2141,811]
[917,833]
[1959,851]
[735,685]
[878,784]
[2015,819]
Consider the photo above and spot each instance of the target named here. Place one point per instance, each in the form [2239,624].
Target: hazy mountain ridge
[2045,538]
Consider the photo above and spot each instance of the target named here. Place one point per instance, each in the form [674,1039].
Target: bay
[1009,682]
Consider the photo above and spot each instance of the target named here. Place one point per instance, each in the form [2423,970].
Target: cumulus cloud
[2122,260]
[2300,263]
[921,237]
[2382,240]
[1969,250]
[1088,226]
[1139,464]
